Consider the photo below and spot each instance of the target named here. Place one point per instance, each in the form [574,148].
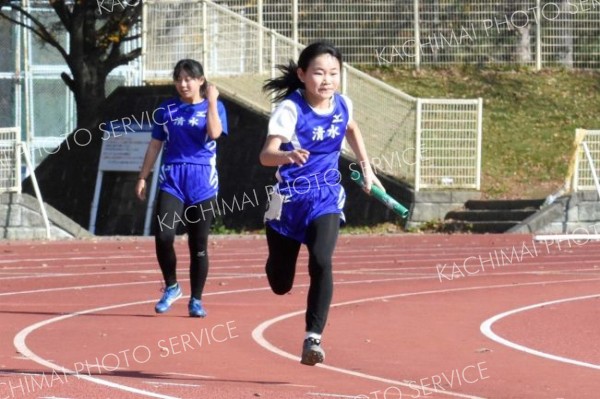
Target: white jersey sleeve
[349,105]
[283,121]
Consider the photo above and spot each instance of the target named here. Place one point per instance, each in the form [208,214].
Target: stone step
[479,227]
[491,215]
[504,204]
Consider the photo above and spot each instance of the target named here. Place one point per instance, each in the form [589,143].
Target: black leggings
[321,238]
[170,214]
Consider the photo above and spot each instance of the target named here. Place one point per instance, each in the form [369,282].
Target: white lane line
[52,397]
[81,287]
[19,342]
[173,384]
[331,395]
[258,332]
[426,277]
[486,329]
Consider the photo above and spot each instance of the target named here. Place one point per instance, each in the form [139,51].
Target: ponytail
[289,81]
[204,88]
[286,84]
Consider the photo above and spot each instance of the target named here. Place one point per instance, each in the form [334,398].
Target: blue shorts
[289,213]
[191,183]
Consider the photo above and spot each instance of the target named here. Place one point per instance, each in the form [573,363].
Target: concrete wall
[21,219]
[434,205]
[578,213]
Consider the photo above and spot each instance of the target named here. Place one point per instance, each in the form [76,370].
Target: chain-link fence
[442,32]
[239,54]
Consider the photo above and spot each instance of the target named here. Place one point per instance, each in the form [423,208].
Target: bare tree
[97,31]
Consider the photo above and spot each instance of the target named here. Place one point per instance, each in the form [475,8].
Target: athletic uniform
[188,170]
[188,184]
[306,206]
[303,193]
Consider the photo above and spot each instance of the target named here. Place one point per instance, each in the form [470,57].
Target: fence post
[479,140]
[259,12]
[295,27]
[344,78]
[419,106]
[272,33]
[538,37]
[204,34]
[417,35]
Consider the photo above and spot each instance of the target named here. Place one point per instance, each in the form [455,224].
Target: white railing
[239,55]
[11,150]
[449,136]
[10,160]
[587,161]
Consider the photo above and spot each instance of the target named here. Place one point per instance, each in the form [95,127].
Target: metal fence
[10,160]
[449,136]
[587,161]
[441,32]
[239,54]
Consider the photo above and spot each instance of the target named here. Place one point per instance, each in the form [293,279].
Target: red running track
[414,316]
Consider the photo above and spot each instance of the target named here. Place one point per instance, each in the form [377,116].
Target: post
[272,33]
[261,22]
[419,105]
[295,27]
[36,189]
[538,37]
[344,79]
[417,35]
[204,33]
[143,56]
[479,140]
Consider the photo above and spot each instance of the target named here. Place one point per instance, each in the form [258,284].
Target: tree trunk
[89,90]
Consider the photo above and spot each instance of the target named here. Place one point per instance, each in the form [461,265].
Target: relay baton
[381,195]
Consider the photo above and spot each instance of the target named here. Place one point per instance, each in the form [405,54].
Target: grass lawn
[529,119]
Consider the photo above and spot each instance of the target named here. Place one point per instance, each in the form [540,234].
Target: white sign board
[124,151]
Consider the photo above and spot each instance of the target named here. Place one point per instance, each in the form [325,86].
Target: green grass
[529,119]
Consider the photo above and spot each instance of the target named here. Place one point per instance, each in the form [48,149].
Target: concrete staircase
[496,216]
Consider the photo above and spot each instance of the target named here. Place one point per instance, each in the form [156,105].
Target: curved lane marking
[258,332]
[486,329]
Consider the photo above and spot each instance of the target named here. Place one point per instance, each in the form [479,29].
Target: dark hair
[194,69]
[289,81]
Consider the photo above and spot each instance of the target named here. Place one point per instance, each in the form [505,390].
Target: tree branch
[68,81]
[41,31]
[63,13]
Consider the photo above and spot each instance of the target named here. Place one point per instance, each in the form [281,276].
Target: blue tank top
[322,136]
[182,127]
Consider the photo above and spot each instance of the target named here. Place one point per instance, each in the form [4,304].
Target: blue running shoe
[171,295]
[195,308]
